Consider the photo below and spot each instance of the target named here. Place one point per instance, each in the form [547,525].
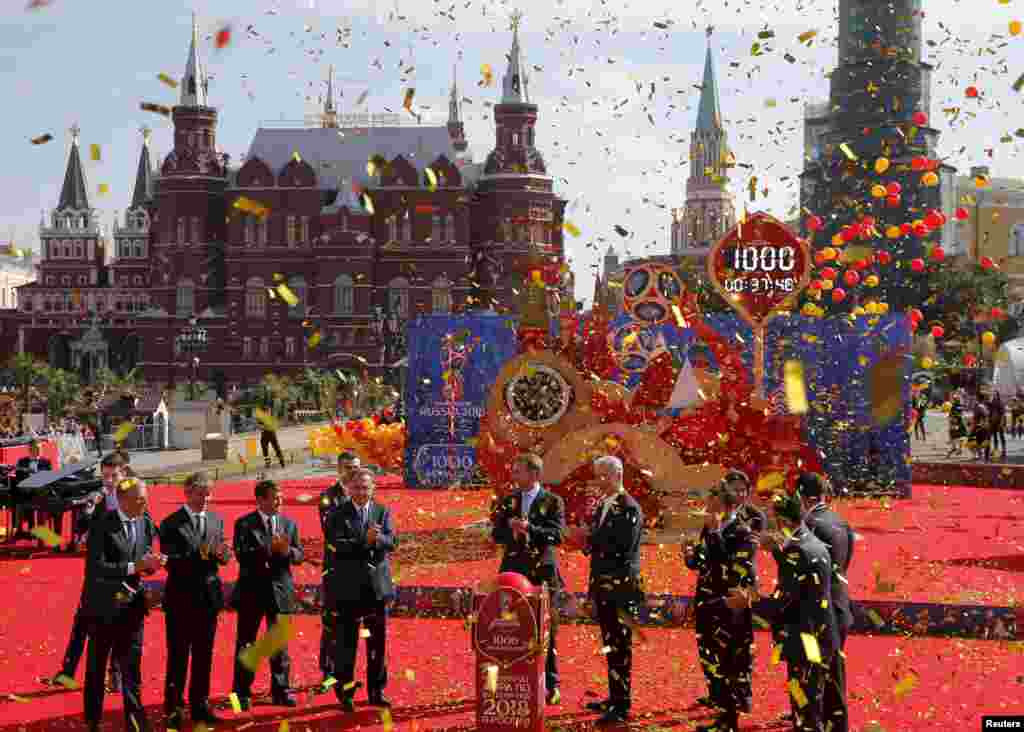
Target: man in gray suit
[115,602]
[833,531]
[362,538]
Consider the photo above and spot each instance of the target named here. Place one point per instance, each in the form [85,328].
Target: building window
[304,230]
[398,297]
[344,295]
[79,250]
[186,304]
[392,228]
[264,347]
[515,138]
[83,280]
[65,280]
[249,230]
[196,238]
[442,295]
[246,347]
[137,280]
[407,226]
[255,298]
[298,286]
[291,231]
[138,249]
[435,228]
[289,347]
[450,227]
[263,231]
[181,230]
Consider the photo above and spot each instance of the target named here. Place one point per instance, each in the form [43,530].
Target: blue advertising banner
[453,362]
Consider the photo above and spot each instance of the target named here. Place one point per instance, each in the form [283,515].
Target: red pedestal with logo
[510,642]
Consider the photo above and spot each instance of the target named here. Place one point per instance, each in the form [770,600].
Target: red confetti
[223,37]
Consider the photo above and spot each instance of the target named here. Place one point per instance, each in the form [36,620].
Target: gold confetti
[244,203]
[287,295]
[410,675]
[571,228]
[385,718]
[905,684]
[94,152]
[123,431]
[284,726]
[296,157]
[796,390]
[166,78]
[367,203]
[491,681]
[1019,84]
[487,75]
[407,102]
[158,108]
[275,639]
[103,189]
[314,339]
[431,179]
[364,632]
[46,535]
[236,704]
[885,382]
[42,139]
[811,647]
[806,36]
[797,693]
[776,655]
[848,151]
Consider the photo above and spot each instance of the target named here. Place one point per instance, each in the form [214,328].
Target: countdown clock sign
[760,267]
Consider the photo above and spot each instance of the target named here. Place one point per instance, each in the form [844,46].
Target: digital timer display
[765,258]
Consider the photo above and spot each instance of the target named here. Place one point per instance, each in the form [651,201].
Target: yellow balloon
[858,311]
[881,165]
[883,307]
[893,232]
[988,338]
[878,191]
[827,284]
[930,179]
[808,309]
[829,253]
[871,308]
[871,280]
[837,240]
[1015,27]
[927,362]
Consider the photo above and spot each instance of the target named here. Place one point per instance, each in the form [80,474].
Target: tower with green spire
[710,209]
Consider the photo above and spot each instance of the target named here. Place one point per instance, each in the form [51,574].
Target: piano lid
[46,478]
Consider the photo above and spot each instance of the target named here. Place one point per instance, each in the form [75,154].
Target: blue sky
[93,63]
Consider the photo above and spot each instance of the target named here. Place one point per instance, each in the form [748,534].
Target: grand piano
[49,494]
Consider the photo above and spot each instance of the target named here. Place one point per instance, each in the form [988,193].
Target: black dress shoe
[599,706]
[206,715]
[92,726]
[348,704]
[379,700]
[612,716]
[285,700]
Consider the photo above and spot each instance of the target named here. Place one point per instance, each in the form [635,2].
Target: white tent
[1008,376]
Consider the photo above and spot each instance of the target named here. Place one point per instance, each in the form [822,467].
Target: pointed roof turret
[194,84]
[454,110]
[75,193]
[709,113]
[514,84]
[144,174]
[330,115]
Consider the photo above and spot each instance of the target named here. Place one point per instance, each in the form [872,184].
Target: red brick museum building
[363,247]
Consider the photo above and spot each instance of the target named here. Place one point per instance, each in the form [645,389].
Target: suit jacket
[533,557]
[836,534]
[84,519]
[753,516]
[724,560]
[111,593]
[359,573]
[265,579]
[330,500]
[801,602]
[192,581]
[614,549]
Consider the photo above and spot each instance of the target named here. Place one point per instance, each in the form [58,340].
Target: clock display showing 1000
[760,267]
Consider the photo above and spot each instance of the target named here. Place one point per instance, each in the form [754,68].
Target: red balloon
[971,92]
[938,254]
[919,163]
[917,264]
[819,259]
[934,219]
[862,264]
[849,233]
[905,228]
[969,360]
[884,257]
[516,581]
[892,201]
[814,223]
[838,294]
[920,119]
[828,273]
[916,315]
[921,229]
[851,278]
[869,221]
[962,214]
[893,188]
[814,285]
[987,263]
[938,331]
[998,313]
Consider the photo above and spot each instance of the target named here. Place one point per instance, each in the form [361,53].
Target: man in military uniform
[331,500]
[530,523]
[804,626]
[830,528]
[724,559]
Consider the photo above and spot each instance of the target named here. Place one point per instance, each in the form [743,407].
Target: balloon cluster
[374,443]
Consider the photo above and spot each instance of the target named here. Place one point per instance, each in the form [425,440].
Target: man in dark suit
[331,500]
[193,540]
[361,534]
[530,524]
[836,534]
[29,465]
[803,622]
[750,514]
[613,543]
[267,545]
[724,559]
[104,501]
[116,602]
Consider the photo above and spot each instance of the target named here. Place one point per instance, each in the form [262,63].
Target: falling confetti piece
[123,431]
[848,151]
[244,203]
[811,647]
[103,189]
[621,230]
[367,203]
[158,108]
[410,675]
[296,157]
[1015,27]
[166,78]
[571,228]
[431,179]
[796,389]
[486,75]
[385,718]
[42,139]
[275,639]
[236,704]
[905,684]
[284,726]
[806,36]
[797,693]
[1019,84]
[407,102]
[94,152]
[46,535]
[223,37]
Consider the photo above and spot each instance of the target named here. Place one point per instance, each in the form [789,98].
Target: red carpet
[947,544]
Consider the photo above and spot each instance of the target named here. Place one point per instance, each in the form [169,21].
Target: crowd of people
[980,424]
[809,611]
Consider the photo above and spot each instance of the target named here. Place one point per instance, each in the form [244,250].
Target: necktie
[201,526]
[130,526]
[270,525]
[604,510]
[527,502]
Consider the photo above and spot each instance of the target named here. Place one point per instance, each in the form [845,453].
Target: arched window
[181,230]
[249,230]
[186,304]
[398,297]
[449,226]
[255,298]
[297,285]
[442,295]
[265,347]
[304,230]
[393,227]
[246,347]
[196,237]
[289,347]
[407,225]
[262,231]
[344,295]
[435,228]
